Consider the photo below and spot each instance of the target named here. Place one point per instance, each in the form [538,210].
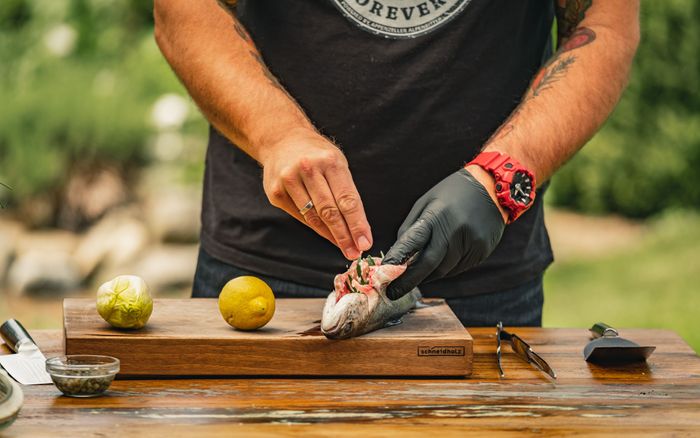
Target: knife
[28,364]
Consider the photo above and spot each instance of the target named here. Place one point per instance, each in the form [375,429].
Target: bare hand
[307,167]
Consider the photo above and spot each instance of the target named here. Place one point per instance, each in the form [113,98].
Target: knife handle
[14,334]
[602,329]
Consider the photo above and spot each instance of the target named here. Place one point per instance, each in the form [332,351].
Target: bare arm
[574,93]
[223,71]
[218,63]
[454,227]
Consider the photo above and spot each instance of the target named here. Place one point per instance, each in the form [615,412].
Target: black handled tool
[608,347]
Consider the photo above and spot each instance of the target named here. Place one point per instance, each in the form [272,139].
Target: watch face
[521,187]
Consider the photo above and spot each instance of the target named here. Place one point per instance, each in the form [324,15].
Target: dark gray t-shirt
[410,90]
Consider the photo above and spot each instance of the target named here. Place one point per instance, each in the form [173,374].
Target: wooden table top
[657,398]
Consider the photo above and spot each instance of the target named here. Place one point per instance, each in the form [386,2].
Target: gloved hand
[453,227]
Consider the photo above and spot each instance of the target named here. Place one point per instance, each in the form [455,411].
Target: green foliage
[653,284]
[75,111]
[86,106]
[646,158]
[14,13]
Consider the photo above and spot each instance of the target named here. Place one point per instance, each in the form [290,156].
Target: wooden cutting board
[189,337]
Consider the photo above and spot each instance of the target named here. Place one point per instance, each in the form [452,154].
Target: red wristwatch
[515,185]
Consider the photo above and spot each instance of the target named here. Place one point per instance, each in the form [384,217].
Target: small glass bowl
[82,375]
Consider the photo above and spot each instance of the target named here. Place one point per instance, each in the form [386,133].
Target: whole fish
[358,303]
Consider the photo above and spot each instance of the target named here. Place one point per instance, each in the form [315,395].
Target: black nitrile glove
[453,227]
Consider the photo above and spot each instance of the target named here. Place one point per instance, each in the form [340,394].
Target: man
[363,112]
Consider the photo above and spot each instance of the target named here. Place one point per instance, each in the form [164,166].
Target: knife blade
[28,364]
[540,363]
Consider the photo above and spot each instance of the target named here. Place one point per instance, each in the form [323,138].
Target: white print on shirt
[400,18]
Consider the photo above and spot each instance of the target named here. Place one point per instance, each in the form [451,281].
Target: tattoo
[546,77]
[569,14]
[579,38]
[229,5]
[542,81]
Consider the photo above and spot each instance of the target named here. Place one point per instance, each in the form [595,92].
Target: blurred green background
[84,91]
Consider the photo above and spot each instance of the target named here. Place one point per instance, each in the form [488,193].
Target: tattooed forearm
[553,70]
[230,7]
[573,93]
[569,14]
[579,38]
[547,77]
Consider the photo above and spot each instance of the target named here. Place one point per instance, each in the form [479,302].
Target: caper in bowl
[82,375]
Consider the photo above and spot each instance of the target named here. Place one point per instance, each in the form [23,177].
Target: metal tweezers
[522,350]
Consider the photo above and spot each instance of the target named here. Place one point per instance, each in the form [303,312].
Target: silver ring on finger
[306,208]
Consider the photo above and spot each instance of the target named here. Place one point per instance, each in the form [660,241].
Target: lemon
[247,303]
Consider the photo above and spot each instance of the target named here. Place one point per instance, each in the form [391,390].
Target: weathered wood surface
[661,398]
[189,337]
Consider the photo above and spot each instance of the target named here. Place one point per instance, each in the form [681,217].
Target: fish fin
[417,296]
[393,322]
[420,304]
[406,302]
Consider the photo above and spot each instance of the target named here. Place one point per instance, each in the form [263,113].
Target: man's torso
[408,100]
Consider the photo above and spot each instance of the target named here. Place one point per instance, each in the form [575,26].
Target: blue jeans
[519,306]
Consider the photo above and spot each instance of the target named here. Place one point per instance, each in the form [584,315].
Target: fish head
[345,317]
[358,303]
[347,314]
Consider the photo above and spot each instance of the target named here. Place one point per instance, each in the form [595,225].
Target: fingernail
[363,243]
[351,253]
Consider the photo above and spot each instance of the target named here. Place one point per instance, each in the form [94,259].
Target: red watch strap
[490,160]
[502,168]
